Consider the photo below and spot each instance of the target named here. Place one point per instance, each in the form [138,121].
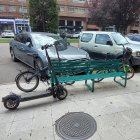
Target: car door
[17,45]
[102,47]
[28,50]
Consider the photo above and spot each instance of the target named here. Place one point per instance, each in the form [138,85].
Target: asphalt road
[8,68]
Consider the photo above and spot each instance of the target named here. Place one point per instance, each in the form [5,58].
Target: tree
[43,15]
[120,13]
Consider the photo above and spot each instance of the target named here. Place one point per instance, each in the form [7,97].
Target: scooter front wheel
[27,81]
[61,93]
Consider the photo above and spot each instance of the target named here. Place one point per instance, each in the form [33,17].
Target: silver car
[25,45]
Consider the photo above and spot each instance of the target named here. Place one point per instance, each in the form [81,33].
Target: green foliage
[43,15]
[121,13]
[5,40]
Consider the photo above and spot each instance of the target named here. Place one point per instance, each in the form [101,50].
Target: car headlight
[138,54]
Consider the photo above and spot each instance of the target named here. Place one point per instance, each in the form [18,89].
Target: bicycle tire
[70,83]
[98,72]
[130,74]
[22,88]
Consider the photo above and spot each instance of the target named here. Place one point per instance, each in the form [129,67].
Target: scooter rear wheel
[11,102]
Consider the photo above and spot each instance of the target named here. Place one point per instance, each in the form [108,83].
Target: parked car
[25,45]
[69,35]
[76,35]
[7,33]
[99,43]
[131,41]
[134,37]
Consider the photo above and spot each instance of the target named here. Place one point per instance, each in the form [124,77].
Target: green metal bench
[82,70]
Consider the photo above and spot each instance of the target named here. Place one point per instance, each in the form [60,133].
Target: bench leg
[90,86]
[122,84]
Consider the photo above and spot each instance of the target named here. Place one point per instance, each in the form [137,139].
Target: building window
[11,0]
[71,9]
[12,8]
[81,10]
[2,8]
[79,1]
[23,10]
[61,8]
[76,10]
[22,0]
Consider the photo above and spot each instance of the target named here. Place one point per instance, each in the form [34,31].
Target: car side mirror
[109,43]
[28,44]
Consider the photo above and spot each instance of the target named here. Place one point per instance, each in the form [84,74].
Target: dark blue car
[24,45]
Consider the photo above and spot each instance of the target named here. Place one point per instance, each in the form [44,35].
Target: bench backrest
[84,66]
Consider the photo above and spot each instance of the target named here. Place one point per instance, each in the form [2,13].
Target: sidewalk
[115,109]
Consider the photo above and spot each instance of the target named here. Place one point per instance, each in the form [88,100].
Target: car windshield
[41,40]
[119,39]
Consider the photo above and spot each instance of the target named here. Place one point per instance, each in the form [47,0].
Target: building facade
[14,15]
[73,16]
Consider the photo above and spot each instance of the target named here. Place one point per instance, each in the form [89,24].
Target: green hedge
[73,40]
[5,40]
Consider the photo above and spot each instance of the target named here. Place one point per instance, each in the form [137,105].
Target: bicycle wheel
[70,83]
[130,71]
[24,84]
[98,72]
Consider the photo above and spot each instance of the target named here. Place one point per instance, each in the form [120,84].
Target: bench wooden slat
[89,76]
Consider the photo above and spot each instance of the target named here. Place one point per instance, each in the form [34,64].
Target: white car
[99,43]
[76,35]
[7,33]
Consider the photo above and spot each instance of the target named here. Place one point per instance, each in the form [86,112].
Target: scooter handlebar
[47,45]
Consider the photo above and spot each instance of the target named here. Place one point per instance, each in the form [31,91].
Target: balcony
[72,3]
[73,11]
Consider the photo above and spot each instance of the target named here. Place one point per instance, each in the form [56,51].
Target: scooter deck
[28,98]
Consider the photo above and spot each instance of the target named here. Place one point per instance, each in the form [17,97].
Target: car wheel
[13,55]
[38,64]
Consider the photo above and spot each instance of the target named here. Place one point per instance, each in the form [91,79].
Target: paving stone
[4,130]
[21,135]
[110,134]
[131,131]
[42,134]
[22,125]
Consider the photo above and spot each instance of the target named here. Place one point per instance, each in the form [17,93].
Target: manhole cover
[75,126]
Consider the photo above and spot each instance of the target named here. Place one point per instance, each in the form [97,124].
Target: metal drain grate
[75,126]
